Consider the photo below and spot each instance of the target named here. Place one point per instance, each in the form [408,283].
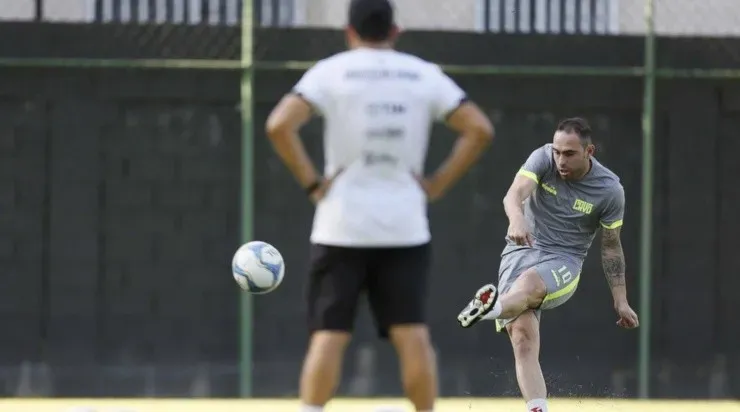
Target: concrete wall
[57,10]
[412,14]
[684,17]
[674,17]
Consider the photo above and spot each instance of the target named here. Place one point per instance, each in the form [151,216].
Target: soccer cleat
[481,304]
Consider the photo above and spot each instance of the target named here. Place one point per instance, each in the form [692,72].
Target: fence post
[646,224]
[245,313]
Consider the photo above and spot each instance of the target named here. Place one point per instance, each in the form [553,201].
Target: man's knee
[326,344]
[411,340]
[418,363]
[525,335]
[532,285]
[411,335]
[415,353]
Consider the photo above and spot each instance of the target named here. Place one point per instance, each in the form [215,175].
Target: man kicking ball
[559,199]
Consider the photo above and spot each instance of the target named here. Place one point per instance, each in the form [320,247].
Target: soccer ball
[258,267]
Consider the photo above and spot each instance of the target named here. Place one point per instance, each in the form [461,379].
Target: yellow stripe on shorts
[562,292]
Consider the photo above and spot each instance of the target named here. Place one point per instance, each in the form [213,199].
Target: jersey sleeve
[313,88]
[447,95]
[537,164]
[613,214]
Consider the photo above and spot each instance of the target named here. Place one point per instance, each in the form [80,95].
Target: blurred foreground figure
[370,230]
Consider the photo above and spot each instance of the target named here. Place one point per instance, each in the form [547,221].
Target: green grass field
[358,405]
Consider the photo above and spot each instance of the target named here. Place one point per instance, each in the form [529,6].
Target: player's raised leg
[550,283]
[527,292]
[482,303]
[515,309]
[522,291]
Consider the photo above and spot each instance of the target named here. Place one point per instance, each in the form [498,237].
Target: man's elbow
[512,200]
[482,131]
[277,129]
[470,121]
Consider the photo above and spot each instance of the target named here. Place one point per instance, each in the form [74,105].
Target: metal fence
[598,17]
[648,22]
[183,12]
[543,16]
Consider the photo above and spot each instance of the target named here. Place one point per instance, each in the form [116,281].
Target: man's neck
[582,175]
[372,45]
[585,172]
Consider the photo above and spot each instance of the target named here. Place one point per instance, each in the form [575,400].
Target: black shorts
[395,280]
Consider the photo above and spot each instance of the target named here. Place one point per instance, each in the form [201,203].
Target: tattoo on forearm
[612,258]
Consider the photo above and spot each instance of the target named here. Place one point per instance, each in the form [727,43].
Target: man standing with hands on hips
[370,231]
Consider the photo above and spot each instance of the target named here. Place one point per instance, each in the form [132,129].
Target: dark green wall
[119,206]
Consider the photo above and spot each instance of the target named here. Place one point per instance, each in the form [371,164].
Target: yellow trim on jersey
[614,225]
[557,294]
[527,173]
[549,189]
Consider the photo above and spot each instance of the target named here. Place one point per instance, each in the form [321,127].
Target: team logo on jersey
[583,206]
[549,189]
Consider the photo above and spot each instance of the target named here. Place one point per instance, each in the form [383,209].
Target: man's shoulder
[545,151]
[430,71]
[331,62]
[336,61]
[608,181]
[541,156]
[414,59]
[351,58]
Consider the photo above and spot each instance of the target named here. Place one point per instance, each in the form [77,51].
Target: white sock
[311,408]
[494,313]
[537,405]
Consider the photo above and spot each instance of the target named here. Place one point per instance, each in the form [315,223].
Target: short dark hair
[372,19]
[577,125]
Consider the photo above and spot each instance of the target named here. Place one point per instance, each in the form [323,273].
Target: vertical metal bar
[151,15]
[561,16]
[486,16]
[135,11]
[245,367]
[39,10]
[275,7]
[646,228]
[222,16]
[169,12]
[186,13]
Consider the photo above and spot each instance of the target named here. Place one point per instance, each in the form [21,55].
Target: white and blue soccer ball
[258,267]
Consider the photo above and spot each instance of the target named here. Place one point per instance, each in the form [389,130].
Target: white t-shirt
[378,107]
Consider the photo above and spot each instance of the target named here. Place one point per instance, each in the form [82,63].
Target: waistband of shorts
[575,259]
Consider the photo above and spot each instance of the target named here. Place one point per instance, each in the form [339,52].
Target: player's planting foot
[481,304]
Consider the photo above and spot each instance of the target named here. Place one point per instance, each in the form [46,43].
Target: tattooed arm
[612,260]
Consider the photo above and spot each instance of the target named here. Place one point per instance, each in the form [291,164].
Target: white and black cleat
[481,304]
